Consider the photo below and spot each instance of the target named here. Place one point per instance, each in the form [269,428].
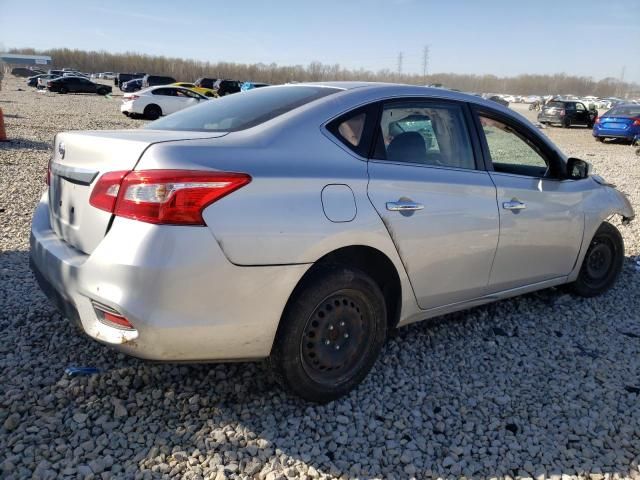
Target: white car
[153,102]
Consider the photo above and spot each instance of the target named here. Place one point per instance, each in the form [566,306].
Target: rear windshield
[555,104]
[625,111]
[240,111]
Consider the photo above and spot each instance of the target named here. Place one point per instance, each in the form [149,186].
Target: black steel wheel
[602,263]
[330,335]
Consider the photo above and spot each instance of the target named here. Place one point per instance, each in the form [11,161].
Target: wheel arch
[372,262]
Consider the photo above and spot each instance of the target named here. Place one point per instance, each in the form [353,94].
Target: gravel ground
[545,385]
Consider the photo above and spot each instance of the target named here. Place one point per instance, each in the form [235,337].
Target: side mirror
[578,169]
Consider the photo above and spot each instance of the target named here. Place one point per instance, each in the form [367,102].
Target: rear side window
[238,112]
[424,133]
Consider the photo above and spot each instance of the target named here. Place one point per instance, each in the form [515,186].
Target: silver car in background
[302,222]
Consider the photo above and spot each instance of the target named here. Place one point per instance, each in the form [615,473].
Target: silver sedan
[302,222]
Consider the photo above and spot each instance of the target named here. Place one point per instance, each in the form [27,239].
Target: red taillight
[48,84]
[561,113]
[105,192]
[173,197]
[636,122]
[131,97]
[597,119]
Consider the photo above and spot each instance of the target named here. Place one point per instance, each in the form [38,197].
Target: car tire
[152,112]
[599,139]
[102,91]
[566,123]
[330,334]
[602,263]
[63,90]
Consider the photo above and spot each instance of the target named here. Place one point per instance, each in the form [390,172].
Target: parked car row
[67,82]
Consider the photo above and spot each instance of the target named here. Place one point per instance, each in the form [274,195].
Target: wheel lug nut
[330,327]
[327,342]
[346,335]
[337,347]
[342,324]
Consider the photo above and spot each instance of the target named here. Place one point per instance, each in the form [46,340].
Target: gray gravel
[545,385]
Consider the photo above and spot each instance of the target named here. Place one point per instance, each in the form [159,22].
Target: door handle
[404,206]
[514,205]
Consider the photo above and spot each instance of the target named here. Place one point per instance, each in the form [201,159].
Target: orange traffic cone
[3,133]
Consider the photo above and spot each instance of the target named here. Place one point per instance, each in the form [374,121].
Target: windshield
[625,111]
[240,111]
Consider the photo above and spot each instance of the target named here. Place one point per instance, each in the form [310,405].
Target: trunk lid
[616,123]
[78,159]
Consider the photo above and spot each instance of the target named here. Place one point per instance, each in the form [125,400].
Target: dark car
[205,82]
[33,81]
[622,122]
[153,80]
[25,72]
[122,78]
[567,113]
[500,100]
[132,85]
[226,87]
[77,85]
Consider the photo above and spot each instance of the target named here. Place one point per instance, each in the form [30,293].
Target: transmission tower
[425,63]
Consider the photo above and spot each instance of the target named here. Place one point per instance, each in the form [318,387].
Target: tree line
[189,70]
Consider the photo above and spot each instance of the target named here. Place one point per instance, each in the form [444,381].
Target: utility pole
[425,63]
[400,57]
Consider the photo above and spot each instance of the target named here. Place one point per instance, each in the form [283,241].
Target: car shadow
[561,396]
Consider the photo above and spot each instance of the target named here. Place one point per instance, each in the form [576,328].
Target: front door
[541,217]
[438,207]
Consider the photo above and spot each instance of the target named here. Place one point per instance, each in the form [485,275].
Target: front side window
[580,107]
[238,112]
[510,151]
[426,134]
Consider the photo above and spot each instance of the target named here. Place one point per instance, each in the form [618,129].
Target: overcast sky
[581,37]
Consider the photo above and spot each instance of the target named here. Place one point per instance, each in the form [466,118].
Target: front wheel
[566,123]
[602,263]
[599,139]
[330,334]
[63,90]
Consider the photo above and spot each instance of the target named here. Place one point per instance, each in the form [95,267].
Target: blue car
[622,121]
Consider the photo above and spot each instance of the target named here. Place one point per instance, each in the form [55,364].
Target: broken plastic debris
[76,371]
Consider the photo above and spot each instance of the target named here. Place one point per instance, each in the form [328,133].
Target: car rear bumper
[186,301]
[628,134]
[550,118]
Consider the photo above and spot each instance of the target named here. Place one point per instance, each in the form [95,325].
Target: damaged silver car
[303,222]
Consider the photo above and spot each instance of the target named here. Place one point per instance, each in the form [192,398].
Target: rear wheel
[566,123]
[102,91]
[602,263]
[330,335]
[599,139]
[152,112]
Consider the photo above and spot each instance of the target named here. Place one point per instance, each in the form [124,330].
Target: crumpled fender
[606,203]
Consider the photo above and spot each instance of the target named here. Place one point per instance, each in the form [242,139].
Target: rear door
[167,98]
[541,215]
[438,206]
